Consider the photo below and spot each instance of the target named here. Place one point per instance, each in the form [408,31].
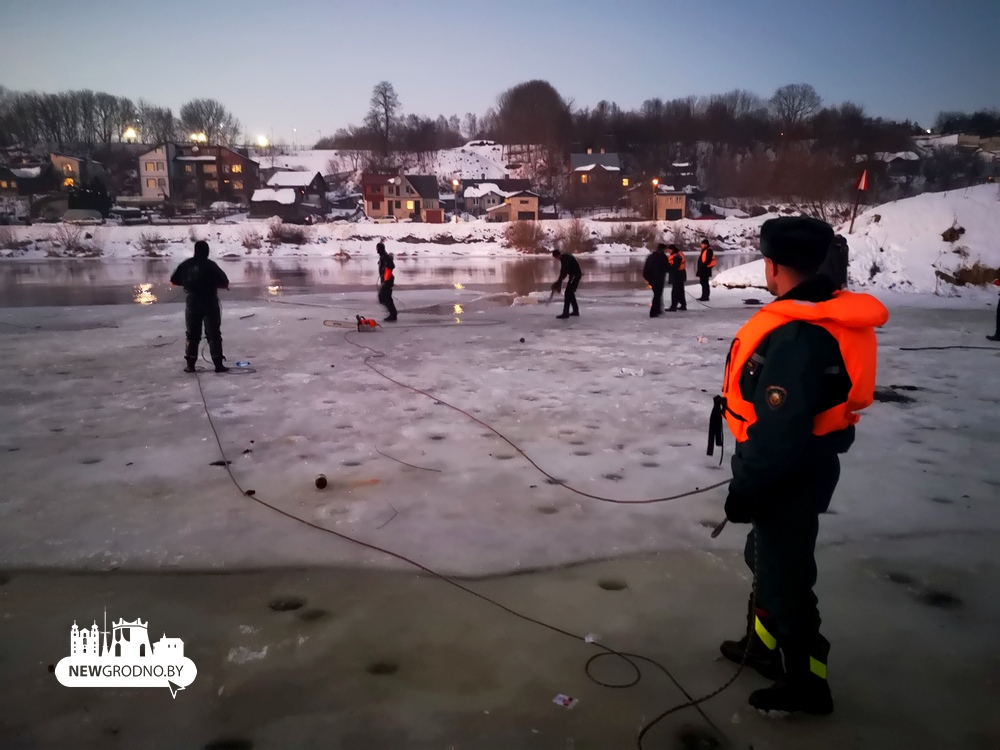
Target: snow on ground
[106,452]
[898,246]
[476,238]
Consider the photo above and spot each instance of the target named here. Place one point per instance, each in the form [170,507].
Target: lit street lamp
[130,135]
[262,141]
[454,184]
[656,184]
[199,137]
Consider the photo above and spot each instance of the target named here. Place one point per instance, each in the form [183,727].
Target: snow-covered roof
[26,173]
[292,179]
[681,164]
[589,167]
[195,158]
[501,207]
[483,189]
[888,156]
[285,196]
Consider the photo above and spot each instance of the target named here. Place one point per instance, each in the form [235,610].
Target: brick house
[197,174]
[402,196]
[596,180]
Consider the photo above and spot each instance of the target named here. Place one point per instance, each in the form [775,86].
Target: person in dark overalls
[386,280]
[569,269]
[678,278]
[706,262]
[202,279]
[655,274]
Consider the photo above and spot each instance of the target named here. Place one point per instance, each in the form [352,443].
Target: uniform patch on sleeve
[775,396]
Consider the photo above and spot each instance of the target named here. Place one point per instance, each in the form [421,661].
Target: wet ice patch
[243,655]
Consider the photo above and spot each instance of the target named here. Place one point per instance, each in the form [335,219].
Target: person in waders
[202,279]
[386,280]
[796,376]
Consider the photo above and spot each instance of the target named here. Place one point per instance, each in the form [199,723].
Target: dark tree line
[29,119]
[985,123]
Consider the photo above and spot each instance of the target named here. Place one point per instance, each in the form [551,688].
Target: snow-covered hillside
[485,162]
[899,246]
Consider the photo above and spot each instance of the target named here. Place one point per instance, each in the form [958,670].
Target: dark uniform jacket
[655,270]
[804,361]
[703,268]
[200,277]
[386,262]
[568,266]
[678,268]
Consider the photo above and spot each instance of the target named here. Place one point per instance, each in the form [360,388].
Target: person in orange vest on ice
[706,262]
[386,280]
[678,277]
[796,376]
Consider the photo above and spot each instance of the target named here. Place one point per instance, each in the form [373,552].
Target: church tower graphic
[128,641]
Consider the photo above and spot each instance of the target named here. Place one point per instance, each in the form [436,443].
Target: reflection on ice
[144,294]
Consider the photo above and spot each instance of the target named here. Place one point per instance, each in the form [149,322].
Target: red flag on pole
[862,181]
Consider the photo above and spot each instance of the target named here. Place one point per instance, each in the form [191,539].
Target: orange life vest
[710,264]
[850,318]
[678,265]
[387,274]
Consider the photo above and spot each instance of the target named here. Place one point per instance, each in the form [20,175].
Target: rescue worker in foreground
[655,273]
[678,278]
[796,376]
[706,262]
[569,269]
[202,279]
[386,280]
[996,336]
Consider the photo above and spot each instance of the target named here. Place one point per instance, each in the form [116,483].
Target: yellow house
[519,206]
[670,206]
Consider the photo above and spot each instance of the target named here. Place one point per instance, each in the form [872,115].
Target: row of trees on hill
[92,118]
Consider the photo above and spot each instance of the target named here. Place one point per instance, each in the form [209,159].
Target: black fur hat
[799,242]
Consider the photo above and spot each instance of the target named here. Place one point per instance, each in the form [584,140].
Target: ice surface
[106,449]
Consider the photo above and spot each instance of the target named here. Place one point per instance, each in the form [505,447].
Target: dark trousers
[657,306]
[385,297]
[198,312]
[781,550]
[677,299]
[998,319]
[704,286]
[570,299]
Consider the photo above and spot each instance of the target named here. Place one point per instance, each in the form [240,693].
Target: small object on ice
[637,371]
[242,363]
[129,463]
[522,340]
[702,340]
[591,637]
[565,701]
[251,493]
[220,463]
[320,481]
[248,450]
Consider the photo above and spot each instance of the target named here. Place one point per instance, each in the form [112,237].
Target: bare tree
[383,113]
[125,116]
[794,103]
[210,116]
[157,123]
[470,125]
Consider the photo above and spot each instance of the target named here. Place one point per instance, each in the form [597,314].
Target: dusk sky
[310,64]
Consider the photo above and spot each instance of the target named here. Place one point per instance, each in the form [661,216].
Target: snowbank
[471,239]
[899,246]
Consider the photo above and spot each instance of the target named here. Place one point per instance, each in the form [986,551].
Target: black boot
[804,687]
[994,338]
[758,656]
[219,366]
[189,367]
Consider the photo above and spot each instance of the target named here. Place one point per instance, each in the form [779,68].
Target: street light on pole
[454,184]
[656,184]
